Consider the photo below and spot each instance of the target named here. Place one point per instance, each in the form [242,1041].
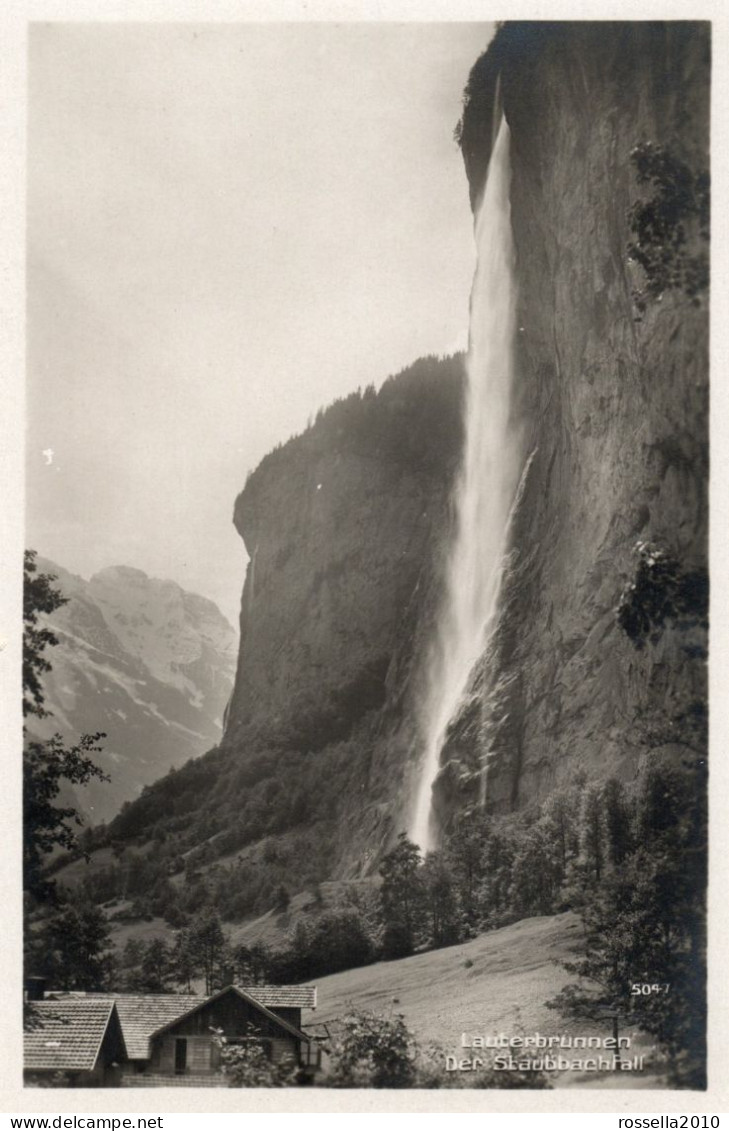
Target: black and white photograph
[365,597]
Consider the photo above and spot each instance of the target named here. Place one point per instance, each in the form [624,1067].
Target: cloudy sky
[229,225]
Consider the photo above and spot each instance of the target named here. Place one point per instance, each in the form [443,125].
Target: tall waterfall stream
[486,485]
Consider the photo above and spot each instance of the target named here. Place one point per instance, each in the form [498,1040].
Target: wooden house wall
[284,1048]
[236,1018]
[203,1054]
[293,1016]
[231,1014]
[113,1050]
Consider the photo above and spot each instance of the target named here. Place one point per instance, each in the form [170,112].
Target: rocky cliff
[142,660]
[609,143]
[347,526]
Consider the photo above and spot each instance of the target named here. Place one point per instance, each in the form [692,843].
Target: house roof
[292,1029]
[66,1035]
[142,1015]
[283,997]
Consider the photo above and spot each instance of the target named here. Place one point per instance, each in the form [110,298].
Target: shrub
[373,1051]
[248,1065]
[666,223]
[662,591]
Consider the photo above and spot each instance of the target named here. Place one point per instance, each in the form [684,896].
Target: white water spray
[486,484]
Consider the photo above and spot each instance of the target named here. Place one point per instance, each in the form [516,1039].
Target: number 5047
[638,988]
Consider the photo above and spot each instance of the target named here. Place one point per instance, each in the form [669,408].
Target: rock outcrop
[346,527]
[612,392]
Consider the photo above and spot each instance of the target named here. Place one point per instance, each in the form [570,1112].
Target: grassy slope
[496,983]
[515,971]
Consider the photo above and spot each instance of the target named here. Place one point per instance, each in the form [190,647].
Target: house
[174,1039]
[76,1043]
[190,1045]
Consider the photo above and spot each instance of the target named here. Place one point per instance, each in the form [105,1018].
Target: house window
[180,1055]
[310,1055]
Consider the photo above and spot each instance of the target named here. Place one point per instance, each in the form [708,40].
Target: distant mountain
[144,661]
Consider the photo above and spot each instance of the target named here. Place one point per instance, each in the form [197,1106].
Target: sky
[229,226]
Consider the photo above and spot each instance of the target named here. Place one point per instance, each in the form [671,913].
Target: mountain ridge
[141,660]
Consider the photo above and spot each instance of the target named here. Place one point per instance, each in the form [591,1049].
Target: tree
[645,924]
[671,224]
[464,852]
[39,596]
[559,814]
[72,948]
[47,765]
[156,968]
[440,899]
[131,966]
[184,960]
[401,898]
[246,1064]
[337,940]
[664,592]
[373,1051]
[494,892]
[207,945]
[535,872]
[592,832]
[250,964]
[618,821]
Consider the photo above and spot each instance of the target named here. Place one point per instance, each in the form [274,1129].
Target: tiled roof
[65,1034]
[285,997]
[142,1014]
[201,1003]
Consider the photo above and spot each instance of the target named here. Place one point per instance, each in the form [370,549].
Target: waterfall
[486,484]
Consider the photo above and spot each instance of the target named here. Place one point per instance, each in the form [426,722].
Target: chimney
[35,988]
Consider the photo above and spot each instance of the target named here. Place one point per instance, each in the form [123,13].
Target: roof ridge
[55,1002]
[247,997]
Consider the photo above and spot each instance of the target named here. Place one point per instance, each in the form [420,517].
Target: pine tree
[618,821]
[439,892]
[184,960]
[645,925]
[72,949]
[464,852]
[592,833]
[156,968]
[401,898]
[207,946]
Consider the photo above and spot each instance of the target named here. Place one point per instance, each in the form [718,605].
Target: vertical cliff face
[612,392]
[345,527]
